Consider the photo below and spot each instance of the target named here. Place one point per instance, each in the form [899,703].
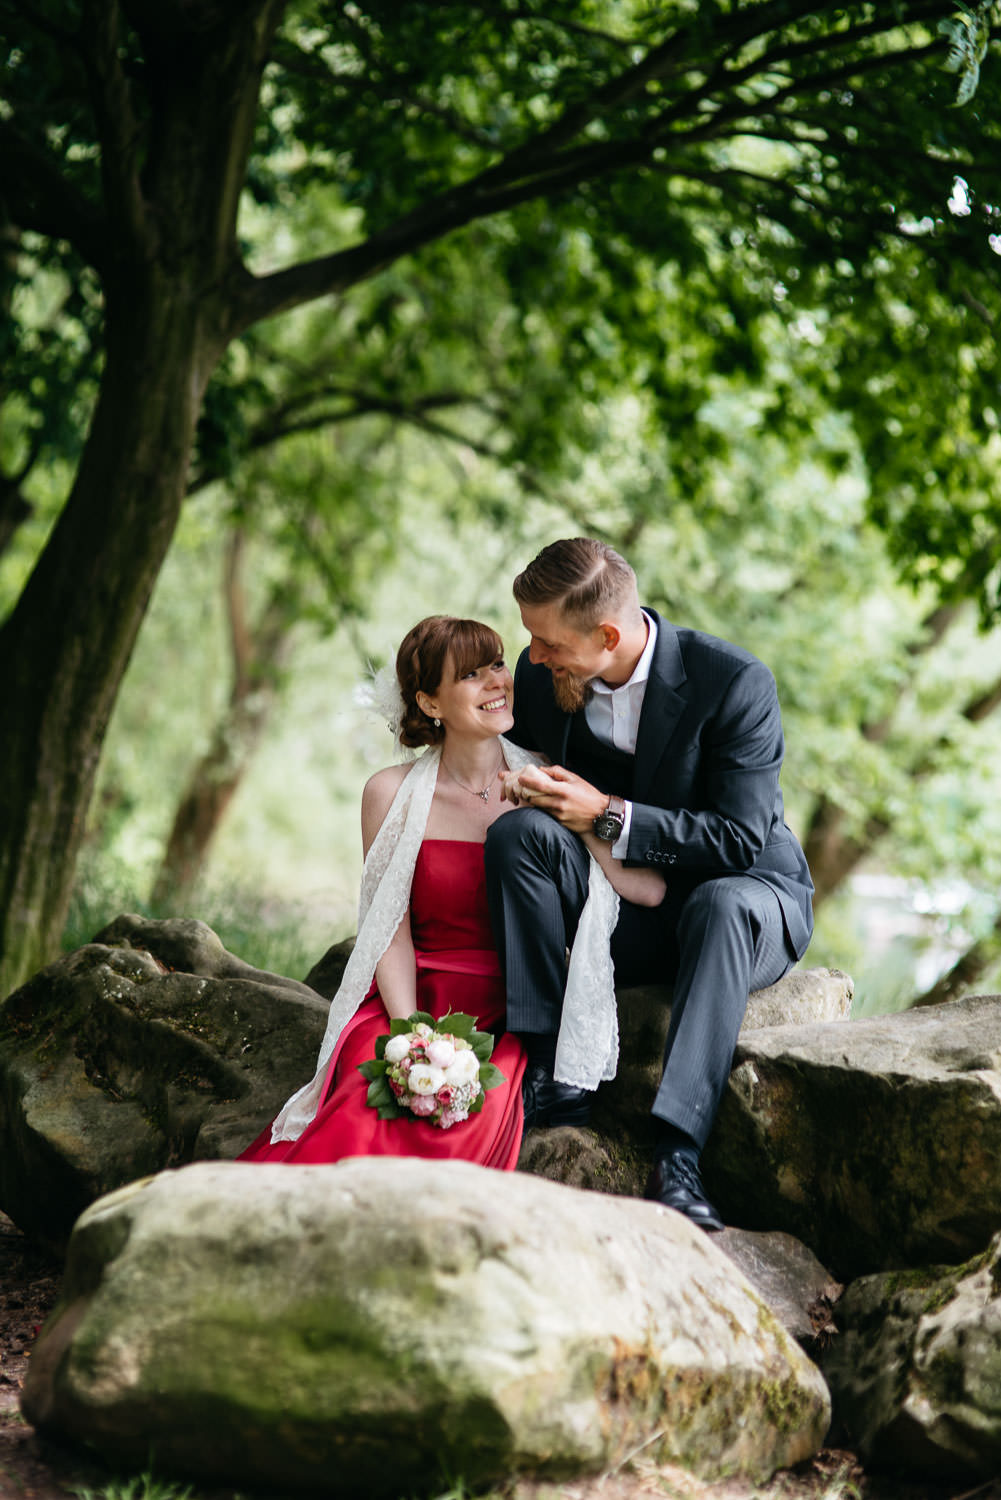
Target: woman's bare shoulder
[379,791]
[386,780]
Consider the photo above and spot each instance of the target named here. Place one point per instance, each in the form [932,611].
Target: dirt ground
[35,1469]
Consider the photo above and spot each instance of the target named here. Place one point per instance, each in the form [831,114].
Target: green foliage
[701,170]
[968,33]
[275,930]
[140,1487]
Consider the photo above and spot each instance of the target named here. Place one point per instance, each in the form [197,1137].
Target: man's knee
[523,831]
[729,902]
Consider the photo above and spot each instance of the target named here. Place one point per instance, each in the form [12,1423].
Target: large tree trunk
[258,654]
[831,853]
[166,245]
[65,648]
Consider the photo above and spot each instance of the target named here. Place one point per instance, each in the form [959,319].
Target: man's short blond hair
[587,579]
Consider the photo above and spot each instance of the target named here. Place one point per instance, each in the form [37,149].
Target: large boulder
[916,1372]
[385,1323]
[801,997]
[800,1291]
[875,1142]
[113,1065]
[614,1155]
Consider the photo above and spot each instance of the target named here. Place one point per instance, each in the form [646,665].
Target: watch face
[608,826]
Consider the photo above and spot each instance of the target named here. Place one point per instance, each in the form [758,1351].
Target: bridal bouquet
[436,1070]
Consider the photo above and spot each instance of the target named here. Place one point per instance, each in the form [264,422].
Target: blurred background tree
[716,282]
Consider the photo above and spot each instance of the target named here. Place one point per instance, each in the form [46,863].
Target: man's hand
[570,799]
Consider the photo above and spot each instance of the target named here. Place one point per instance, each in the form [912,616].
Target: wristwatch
[610,823]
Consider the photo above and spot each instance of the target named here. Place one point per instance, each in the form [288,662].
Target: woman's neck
[472,760]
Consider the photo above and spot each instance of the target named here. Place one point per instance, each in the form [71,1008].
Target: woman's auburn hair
[420,667]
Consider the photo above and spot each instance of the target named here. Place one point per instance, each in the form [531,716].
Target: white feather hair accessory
[381,693]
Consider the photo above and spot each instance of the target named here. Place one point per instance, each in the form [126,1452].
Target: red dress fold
[457,970]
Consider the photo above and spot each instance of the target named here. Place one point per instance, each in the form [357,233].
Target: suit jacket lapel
[663,706]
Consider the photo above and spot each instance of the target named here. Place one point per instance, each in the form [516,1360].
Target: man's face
[574,657]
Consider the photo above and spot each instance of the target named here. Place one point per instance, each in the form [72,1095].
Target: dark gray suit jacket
[705,793]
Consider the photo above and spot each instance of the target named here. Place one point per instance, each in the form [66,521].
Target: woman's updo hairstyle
[421,662]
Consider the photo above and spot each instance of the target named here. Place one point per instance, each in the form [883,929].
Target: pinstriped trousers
[713,940]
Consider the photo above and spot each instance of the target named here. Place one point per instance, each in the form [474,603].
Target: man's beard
[571,693]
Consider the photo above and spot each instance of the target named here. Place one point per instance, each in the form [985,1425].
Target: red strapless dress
[457,970]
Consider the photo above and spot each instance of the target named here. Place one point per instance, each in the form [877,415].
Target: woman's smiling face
[478,703]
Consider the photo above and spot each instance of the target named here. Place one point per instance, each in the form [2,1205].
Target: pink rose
[422,1104]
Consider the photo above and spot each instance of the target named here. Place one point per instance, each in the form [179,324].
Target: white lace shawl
[587,1050]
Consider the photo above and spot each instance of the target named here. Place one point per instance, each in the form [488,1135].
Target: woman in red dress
[432,950]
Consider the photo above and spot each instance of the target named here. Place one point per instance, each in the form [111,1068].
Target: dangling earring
[437,723]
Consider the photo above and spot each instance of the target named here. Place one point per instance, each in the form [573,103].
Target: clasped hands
[571,800]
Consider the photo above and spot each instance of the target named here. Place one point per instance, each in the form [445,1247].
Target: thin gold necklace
[483,795]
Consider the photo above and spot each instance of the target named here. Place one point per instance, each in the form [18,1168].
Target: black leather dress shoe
[550,1103]
[676,1183]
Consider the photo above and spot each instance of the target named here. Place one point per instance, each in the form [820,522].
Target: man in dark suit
[667,742]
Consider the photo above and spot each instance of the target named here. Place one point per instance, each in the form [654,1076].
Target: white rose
[465,1069]
[441,1052]
[397,1048]
[423,1078]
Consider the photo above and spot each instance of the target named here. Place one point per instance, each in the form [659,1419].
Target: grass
[147,1487]
[140,1487]
[839,1485]
[279,937]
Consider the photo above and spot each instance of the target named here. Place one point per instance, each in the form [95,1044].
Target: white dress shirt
[613,716]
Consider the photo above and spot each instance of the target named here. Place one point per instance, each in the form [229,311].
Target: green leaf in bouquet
[477,1104]
[482,1043]
[373,1067]
[490,1076]
[457,1024]
[417,1017]
[398,1026]
[380,1094]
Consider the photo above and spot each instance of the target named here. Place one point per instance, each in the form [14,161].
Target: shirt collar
[642,669]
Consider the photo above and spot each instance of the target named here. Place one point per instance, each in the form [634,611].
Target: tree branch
[749,109]
[255,298]
[966,971]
